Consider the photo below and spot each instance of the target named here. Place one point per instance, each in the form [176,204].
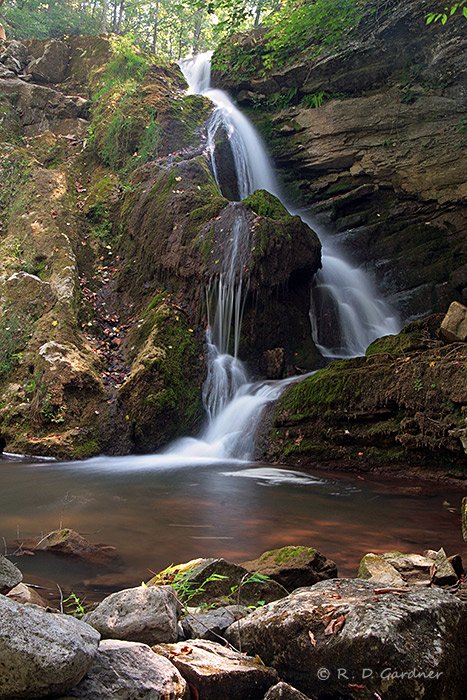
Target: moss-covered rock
[402,404]
[293,566]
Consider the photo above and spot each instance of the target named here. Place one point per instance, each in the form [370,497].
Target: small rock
[24,594]
[18,52]
[375,568]
[10,575]
[284,691]
[6,72]
[454,324]
[71,543]
[142,614]
[293,567]
[445,574]
[130,671]
[42,653]
[216,672]
[213,623]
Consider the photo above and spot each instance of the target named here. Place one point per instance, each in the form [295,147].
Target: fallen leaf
[312,637]
[335,625]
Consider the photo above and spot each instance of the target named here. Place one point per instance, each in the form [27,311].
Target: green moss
[285,554]
[265,204]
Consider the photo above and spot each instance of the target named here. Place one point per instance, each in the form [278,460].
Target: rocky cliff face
[379,157]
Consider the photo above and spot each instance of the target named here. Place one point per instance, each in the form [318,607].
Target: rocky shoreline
[283,626]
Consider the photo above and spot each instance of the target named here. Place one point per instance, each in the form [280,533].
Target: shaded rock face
[215,671]
[52,66]
[284,691]
[293,567]
[380,160]
[130,671]
[403,403]
[193,221]
[348,624]
[42,653]
[10,575]
[213,623]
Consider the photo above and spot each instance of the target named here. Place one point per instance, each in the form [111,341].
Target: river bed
[156,510]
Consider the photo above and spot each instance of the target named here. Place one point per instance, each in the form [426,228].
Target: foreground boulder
[412,642]
[129,671]
[214,672]
[293,567]
[147,615]
[42,653]
[10,575]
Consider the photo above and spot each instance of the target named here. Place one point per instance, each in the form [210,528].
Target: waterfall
[346,313]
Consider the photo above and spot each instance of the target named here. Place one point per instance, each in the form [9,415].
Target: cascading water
[350,302]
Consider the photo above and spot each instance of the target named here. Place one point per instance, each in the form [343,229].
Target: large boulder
[217,580]
[294,566]
[147,615]
[42,653]
[130,671]
[214,671]
[10,575]
[411,642]
[52,66]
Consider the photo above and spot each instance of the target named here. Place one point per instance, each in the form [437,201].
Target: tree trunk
[103,24]
[155,28]
[120,17]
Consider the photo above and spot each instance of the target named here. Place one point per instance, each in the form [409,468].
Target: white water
[233,405]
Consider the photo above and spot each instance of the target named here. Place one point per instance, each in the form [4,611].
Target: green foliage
[74,606]
[315,100]
[14,172]
[33,19]
[300,26]
[446,11]
[13,336]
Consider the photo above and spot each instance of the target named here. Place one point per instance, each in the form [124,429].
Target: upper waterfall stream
[345,293]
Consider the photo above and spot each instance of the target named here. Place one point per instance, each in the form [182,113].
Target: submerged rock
[293,567]
[70,543]
[130,671]
[147,615]
[42,654]
[216,672]
[411,642]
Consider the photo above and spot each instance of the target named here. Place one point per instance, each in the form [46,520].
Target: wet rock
[130,671]
[52,66]
[284,691]
[42,653]
[454,324]
[70,543]
[273,363]
[293,566]
[10,575]
[375,568]
[355,625]
[213,623]
[215,672]
[147,615]
[25,594]
[229,583]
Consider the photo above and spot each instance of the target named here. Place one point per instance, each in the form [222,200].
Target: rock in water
[10,576]
[147,615]
[130,671]
[412,641]
[218,673]
[41,653]
[293,567]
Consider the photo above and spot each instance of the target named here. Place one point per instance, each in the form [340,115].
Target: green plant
[418,384]
[74,606]
[315,100]
[447,11]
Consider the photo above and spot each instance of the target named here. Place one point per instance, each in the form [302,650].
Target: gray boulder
[344,631]
[10,575]
[213,623]
[130,671]
[219,673]
[41,653]
[52,66]
[147,615]
[284,691]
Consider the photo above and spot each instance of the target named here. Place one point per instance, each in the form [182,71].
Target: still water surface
[156,512]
